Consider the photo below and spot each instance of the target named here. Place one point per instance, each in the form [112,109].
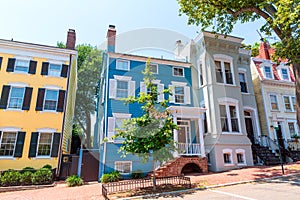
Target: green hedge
[111,177]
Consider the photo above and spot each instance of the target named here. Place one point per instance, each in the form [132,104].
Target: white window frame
[227,151]
[173,70]
[46,89]
[222,59]
[111,131]
[154,65]
[290,102]
[9,98]
[273,94]
[271,71]
[23,60]
[120,163]
[246,81]
[113,86]
[124,90]
[241,151]
[295,127]
[225,101]
[50,71]
[285,67]
[1,140]
[187,92]
[121,60]
[38,144]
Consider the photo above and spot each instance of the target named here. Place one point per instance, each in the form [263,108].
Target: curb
[208,187]
[22,187]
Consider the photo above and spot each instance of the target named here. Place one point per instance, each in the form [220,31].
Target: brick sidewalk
[93,190]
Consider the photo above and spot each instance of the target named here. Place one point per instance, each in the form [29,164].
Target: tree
[152,133]
[281,17]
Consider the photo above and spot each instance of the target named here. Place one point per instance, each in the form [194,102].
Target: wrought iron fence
[135,184]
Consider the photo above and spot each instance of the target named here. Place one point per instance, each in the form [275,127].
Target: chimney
[111,38]
[71,39]
[264,48]
[178,49]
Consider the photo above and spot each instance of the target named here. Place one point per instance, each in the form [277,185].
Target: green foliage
[137,174]
[74,180]
[26,177]
[42,176]
[10,178]
[295,136]
[60,44]
[47,166]
[111,177]
[26,169]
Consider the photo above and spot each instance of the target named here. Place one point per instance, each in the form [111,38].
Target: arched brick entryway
[191,168]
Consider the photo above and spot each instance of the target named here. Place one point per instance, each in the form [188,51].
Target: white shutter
[131,91]
[110,127]
[143,87]
[187,95]
[172,97]
[160,89]
[112,88]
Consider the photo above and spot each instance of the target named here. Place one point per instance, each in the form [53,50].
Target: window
[268,72]
[122,89]
[227,158]
[178,71]
[229,118]
[154,68]
[292,129]
[201,74]
[116,122]
[240,156]
[54,70]
[289,103]
[16,98]
[22,66]
[153,93]
[124,167]
[274,102]
[179,94]
[44,144]
[7,143]
[51,100]
[293,99]
[223,72]
[119,122]
[123,65]
[285,74]
[243,82]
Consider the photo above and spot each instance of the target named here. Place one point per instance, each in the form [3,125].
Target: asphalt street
[286,188]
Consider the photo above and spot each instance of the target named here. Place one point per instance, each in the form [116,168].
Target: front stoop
[174,167]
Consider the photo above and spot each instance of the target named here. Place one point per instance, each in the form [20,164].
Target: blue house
[122,77]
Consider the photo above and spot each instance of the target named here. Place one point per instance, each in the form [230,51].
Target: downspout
[64,116]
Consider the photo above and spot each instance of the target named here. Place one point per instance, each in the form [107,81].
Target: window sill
[275,110]
[232,133]
[42,157]
[241,164]
[123,69]
[49,111]
[14,110]
[25,73]
[7,158]
[228,164]
[178,76]
[289,111]
[246,93]
[225,84]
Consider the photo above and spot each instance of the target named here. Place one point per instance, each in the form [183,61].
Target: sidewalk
[93,190]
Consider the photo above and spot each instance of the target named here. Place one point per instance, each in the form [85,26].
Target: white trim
[21,57]
[179,68]
[18,84]
[255,115]
[122,78]
[223,57]
[9,96]
[121,115]
[152,64]
[38,143]
[227,151]
[243,70]
[122,162]
[156,81]
[46,130]
[46,89]
[52,87]
[270,102]
[10,129]
[264,71]
[56,62]
[175,83]
[243,152]
[122,60]
[290,102]
[228,100]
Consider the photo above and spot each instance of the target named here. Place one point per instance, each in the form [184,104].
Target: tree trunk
[296,68]
[154,175]
[88,130]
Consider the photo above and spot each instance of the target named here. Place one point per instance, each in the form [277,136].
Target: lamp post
[280,154]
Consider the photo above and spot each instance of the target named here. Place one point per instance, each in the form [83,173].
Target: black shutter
[45,67]
[0,62]
[19,144]
[61,101]
[55,145]
[64,71]
[32,67]
[27,98]
[0,135]
[40,99]
[33,144]
[10,64]
[4,96]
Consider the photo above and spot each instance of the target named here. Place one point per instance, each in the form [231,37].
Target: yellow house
[37,87]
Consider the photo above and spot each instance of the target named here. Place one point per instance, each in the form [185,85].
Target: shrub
[26,177]
[28,169]
[111,177]
[47,166]
[42,176]
[137,174]
[10,177]
[74,180]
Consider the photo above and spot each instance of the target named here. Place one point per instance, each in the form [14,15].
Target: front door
[184,137]
[249,126]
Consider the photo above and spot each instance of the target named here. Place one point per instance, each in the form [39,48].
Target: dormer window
[285,74]
[268,72]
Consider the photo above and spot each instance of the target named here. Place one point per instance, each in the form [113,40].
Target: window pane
[123,167]
[16,98]
[240,158]
[291,128]
[284,73]
[228,73]
[268,72]
[7,141]
[234,119]
[287,103]
[273,99]
[122,64]
[227,158]
[153,69]
[294,103]
[243,82]
[154,93]
[219,74]
[54,70]
[44,147]
[122,89]
[22,66]
[178,71]
[223,116]
[179,94]
[51,99]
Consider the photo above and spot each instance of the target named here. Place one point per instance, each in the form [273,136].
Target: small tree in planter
[295,137]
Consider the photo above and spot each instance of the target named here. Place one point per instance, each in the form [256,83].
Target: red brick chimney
[71,39]
[111,38]
[264,48]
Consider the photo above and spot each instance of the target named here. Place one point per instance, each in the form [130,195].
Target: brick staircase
[265,154]
[174,167]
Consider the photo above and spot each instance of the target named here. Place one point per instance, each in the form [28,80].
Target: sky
[47,21]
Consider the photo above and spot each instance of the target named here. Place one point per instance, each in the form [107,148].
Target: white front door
[184,135]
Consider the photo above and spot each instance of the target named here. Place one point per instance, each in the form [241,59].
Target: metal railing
[127,185]
[189,149]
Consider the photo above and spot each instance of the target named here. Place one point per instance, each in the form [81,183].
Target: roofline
[32,46]
[220,36]
[144,58]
